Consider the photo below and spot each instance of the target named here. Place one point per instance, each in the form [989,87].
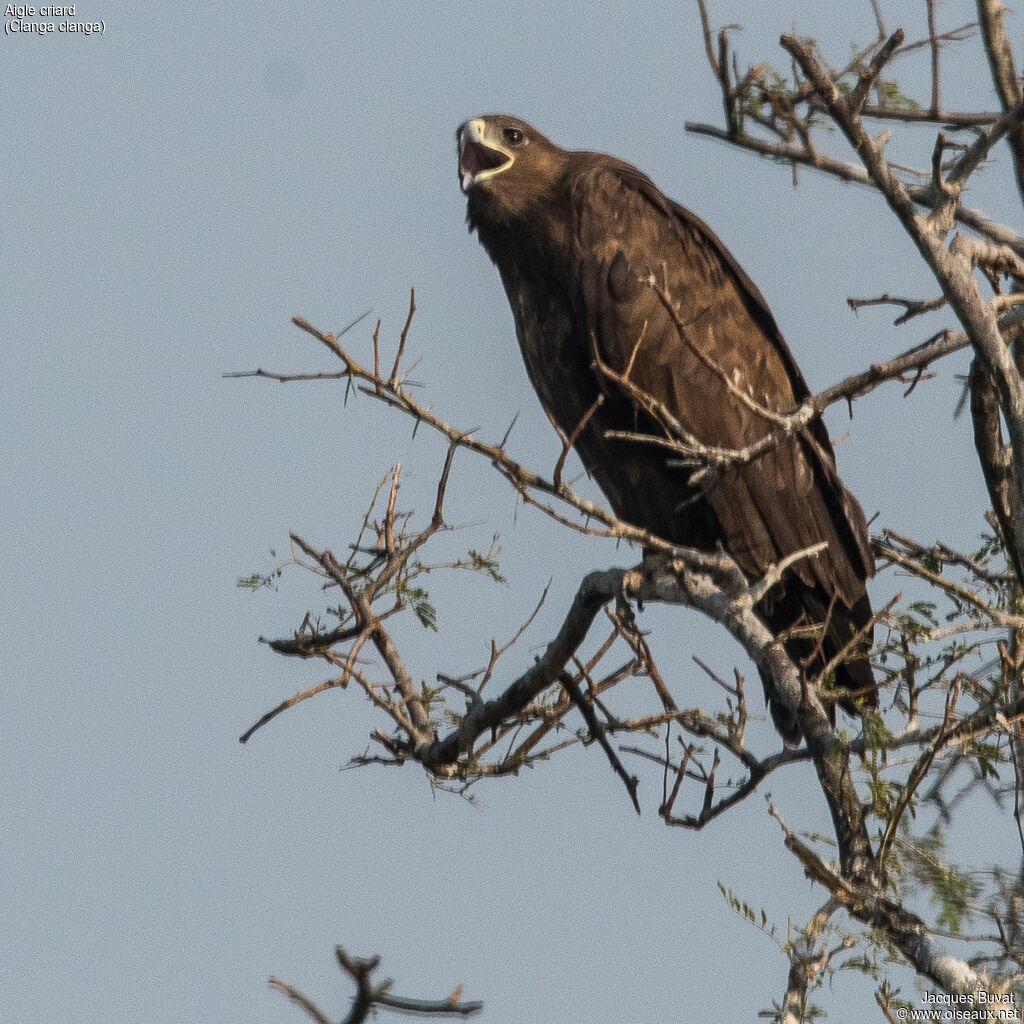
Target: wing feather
[636,252]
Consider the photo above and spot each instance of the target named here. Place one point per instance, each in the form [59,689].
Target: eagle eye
[513,136]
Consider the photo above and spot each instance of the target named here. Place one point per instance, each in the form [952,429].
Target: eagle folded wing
[670,311]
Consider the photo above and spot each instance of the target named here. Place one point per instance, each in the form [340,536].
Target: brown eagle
[618,291]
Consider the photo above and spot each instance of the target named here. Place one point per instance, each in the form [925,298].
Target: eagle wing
[669,309]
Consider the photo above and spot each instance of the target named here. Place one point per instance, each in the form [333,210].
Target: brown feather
[588,249]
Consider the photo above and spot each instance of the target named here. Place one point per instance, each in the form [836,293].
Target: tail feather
[800,606]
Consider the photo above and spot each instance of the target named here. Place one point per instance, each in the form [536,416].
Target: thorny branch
[842,94]
[1005,75]
[952,264]
[874,908]
[759,100]
[370,995]
[779,120]
[806,961]
[908,367]
[498,735]
[710,460]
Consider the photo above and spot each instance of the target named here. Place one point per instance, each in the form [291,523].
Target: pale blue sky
[171,193]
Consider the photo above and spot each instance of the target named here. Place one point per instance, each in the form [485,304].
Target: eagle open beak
[479,160]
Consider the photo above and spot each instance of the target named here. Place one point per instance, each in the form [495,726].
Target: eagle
[637,325]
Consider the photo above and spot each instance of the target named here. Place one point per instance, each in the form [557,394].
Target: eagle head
[506,167]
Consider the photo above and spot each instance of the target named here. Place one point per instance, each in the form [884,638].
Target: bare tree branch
[952,270]
[909,932]
[1005,75]
[995,457]
[806,962]
[369,995]
[900,771]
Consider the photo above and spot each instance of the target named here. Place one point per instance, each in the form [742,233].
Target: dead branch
[874,908]
[713,460]
[995,457]
[597,732]
[952,270]
[992,258]
[525,482]
[806,963]
[717,460]
[710,582]
[328,684]
[1005,75]
[808,156]
[912,307]
[393,378]
[757,772]
[369,995]
[888,549]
